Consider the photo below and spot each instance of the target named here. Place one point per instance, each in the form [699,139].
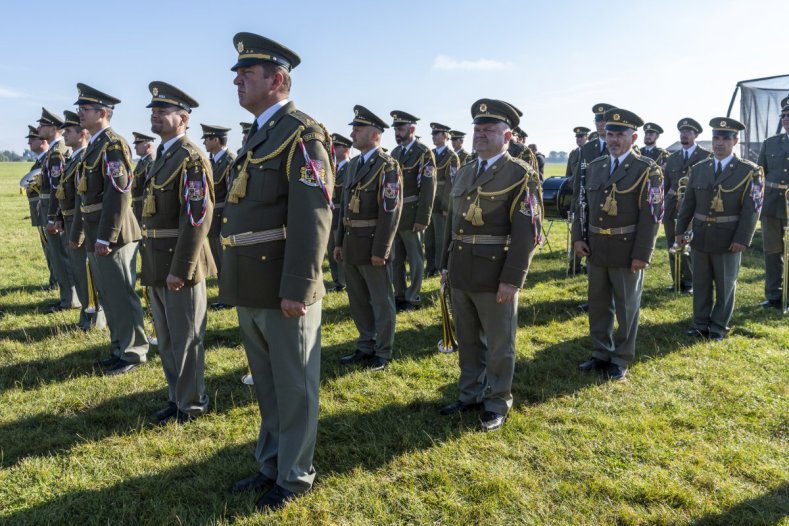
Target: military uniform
[57,244]
[417,166]
[141,170]
[774,160]
[724,204]
[625,207]
[275,229]
[105,215]
[447,164]
[338,269]
[495,223]
[462,154]
[33,197]
[575,264]
[369,214]
[676,167]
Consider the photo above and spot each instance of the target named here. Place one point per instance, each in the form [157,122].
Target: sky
[553,60]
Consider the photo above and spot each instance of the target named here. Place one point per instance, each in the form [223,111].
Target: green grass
[696,435]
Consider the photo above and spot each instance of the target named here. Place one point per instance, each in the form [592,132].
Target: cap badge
[483,108]
[723,124]
[240,47]
[356,112]
[155,92]
[684,123]
[617,117]
[600,109]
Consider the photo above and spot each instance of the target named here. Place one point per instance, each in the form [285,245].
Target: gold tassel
[474,214]
[239,190]
[149,205]
[610,206]
[355,203]
[60,193]
[717,202]
[83,184]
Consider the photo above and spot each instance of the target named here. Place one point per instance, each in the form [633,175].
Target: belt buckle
[473,239]
[605,231]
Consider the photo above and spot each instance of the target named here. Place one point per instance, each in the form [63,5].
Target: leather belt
[359,223]
[87,209]
[716,219]
[411,199]
[618,231]
[45,197]
[138,199]
[254,238]
[778,186]
[159,233]
[32,199]
[482,239]
[219,206]
[68,213]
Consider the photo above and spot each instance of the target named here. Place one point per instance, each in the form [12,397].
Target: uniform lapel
[263,132]
[728,172]
[489,174]
[163,160]
[620,172]
[785,143]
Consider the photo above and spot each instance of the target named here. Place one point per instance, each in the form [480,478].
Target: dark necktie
[614,166]
[253,128]
[159,151]
[602,147]
[718,169]
[361,161]
[482,166]
[686,155]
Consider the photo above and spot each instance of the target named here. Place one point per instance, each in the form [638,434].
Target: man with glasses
[774,160]
[723,200]
[105,223]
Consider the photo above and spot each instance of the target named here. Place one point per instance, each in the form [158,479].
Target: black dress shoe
[357,357]
[409,306]
[714,336]
[162,414]
[275,498]
[217,305]
[491,421]
[698,333]
[376,363]
[338,288]
[687,290]
[121,367]
[108,362]
[256,481]
[584,307]
[459,407]
[771,304]
[593,364]
[616,372]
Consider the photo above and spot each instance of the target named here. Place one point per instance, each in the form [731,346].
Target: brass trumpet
[92,293]
[448,343]
[678,250]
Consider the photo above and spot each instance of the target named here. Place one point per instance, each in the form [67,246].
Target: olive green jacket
[51,170]
[447,165]
[674,169]
[774,160]
[221,170]
[138,186]
[419,184]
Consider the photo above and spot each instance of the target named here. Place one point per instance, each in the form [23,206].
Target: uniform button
[493,257]
[224,247]
[460,231]
[224,220]
[262,258]
[460,247]
[468,198]
[600,219]
[171,250]
[601,206]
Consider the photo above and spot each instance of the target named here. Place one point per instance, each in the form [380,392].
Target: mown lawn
[696,435]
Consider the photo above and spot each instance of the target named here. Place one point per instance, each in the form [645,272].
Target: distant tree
[27,155]
[557,157]
[8,155]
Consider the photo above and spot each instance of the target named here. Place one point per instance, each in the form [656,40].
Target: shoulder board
[527,169]
[304,119]
[750,164]
[644,159]
[388,159]
[599,159]
[112,136]
[422,147]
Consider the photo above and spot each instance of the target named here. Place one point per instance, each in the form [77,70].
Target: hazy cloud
[8,93]
[445,63]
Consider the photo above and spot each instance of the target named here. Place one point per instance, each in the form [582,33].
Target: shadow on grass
[769,509]
[30,374]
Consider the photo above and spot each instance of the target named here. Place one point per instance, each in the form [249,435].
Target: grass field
[696,435]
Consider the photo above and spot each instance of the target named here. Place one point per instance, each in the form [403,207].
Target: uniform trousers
[408,246]
[614,292]
[485,333]
[714,274]
[122,307]
[372,303]
[284,357]
[773,233]
[180,319]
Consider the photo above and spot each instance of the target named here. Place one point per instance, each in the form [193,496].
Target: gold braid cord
[149,205]
[355,202]
[82,187]
[717,203]
[239,189]
[449,160]
[610,206]
[532,178]
[474,213]
[60,193]
[419,160]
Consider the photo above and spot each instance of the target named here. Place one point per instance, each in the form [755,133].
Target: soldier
[245,127]
[495,212]
[457,144]
[51,169]
[62,207]
[275,229]
[723,198]
[624,194]
[581,136]
[39,148]
[652,132]
[176,259]
[105,224]
[370,210]
[143,147]
[774,160]
[342,153]
[540,159]
[447,164]
[676,169]
[222,159]
[417,167]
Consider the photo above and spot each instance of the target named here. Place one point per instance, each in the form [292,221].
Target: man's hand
[102,249]
[74,246]
[680,239]
[377,262]
[506,293]
[337,254]
[54,228]
[581,249]
[736,247]
[419,227]
[444,279]
[637,265]
[292,309]
[174,283]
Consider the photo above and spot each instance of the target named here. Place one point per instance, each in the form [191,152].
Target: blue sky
[554,60]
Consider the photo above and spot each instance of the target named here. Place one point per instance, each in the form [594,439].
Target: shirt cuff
[102,242]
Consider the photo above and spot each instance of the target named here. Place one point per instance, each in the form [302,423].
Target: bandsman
[144,148]
[774,160]
[723,199]
[39,148]
[275,229]
[370,211]
[495,211]
[417,166]
[652,132]
[457,144]
[342,154]
[624,194]
[447,164]
[105,224]
[581,137]
[176,257]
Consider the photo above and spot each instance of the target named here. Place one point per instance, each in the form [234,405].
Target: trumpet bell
[26,180]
